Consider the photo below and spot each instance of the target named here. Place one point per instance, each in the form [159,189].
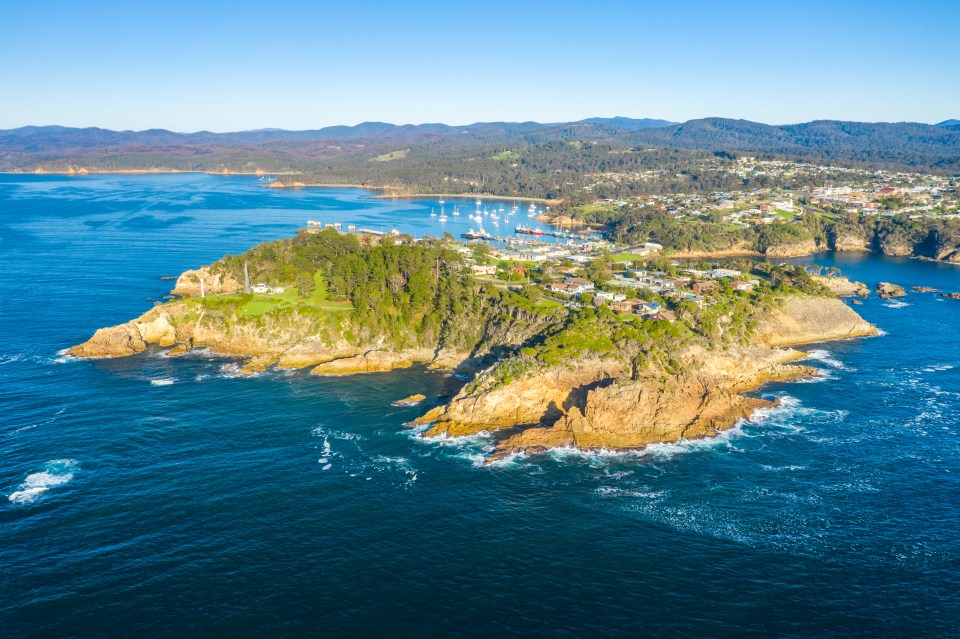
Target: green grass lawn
[548,303]
[260,303]
[624,257]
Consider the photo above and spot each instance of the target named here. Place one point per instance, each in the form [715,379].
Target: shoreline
[325,185]
[467,196]
[693,255]
[83,172]
[398,192]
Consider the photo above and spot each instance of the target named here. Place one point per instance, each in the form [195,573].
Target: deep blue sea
[155,497]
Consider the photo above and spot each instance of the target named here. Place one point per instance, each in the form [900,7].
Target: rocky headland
[541,376]
[603,403]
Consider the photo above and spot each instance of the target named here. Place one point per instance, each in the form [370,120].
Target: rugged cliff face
[295,341]
[793,250]
[895,246]
[948,253]
[541,396]
[849,242]
[698,402]
[805,320]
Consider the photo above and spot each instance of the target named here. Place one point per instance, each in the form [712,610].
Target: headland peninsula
[573,357]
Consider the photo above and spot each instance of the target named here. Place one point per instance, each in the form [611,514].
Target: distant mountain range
[44,139]
[903,145]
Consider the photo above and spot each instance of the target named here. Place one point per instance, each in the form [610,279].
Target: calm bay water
[167,498]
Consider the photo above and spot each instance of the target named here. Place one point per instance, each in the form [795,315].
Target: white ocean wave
[617,491]
[767,467]
[895,304]
[164,381]
[330,433]
[57,472]
[385,462]
[825,356]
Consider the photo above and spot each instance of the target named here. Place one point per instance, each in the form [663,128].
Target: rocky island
[544,372]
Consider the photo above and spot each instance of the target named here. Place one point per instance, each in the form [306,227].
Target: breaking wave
[57,472]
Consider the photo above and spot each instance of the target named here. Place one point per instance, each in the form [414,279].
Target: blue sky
[226,66]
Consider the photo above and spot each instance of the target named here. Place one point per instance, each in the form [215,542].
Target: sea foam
[57,472]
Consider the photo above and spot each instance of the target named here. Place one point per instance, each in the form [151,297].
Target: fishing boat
[476,235]
[526,230]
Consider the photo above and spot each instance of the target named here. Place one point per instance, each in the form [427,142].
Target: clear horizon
[240,66]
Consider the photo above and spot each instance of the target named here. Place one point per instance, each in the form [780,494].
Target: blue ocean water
[169,498]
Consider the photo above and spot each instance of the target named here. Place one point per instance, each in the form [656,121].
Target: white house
[610,297]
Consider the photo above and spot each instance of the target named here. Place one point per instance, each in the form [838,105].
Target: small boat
[476,235]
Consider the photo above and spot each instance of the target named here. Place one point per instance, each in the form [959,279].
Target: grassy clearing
[254,304]
[393,155]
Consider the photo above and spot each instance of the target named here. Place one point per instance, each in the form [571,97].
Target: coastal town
[795,188]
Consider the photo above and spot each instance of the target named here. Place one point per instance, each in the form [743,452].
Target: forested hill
[378,153]
[904,143]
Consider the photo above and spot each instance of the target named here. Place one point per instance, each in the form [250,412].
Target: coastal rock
[188,284]
[371,362]
[793,250]
[697,403]
[948,254]
[127,339]
[849,242]
[805,320]
[951,296]
[895,246]
[842,286]
[924,289]
[888,290]
[412,400]
[533,399]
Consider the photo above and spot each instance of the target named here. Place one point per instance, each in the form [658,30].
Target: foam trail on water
[56,472]
[825,356]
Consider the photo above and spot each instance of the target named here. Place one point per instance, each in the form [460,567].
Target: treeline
[935,238]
